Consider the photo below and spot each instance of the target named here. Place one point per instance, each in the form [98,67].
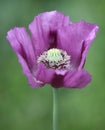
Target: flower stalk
[55,109]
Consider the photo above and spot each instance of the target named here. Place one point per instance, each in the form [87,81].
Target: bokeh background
[24,108]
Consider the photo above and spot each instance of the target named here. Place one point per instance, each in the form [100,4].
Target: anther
[55,58]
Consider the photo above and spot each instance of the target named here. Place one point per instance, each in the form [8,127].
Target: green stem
[55,104]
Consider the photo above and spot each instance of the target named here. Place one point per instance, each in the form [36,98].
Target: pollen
[55,58]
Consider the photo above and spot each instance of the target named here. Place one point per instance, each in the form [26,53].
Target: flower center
[55,58]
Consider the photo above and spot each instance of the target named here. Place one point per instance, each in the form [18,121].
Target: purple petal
[31,79]
[76,79]
[44,27]
[86,45]
[21,44]
[57,81]
[76,39]
[44,74]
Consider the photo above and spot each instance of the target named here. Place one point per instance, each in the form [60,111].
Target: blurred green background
[24,108]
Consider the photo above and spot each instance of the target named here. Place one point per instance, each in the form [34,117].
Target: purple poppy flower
[56,52]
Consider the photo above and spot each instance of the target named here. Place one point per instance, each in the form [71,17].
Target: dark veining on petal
[57,81]
[82,50]
[52,39]
[24,55]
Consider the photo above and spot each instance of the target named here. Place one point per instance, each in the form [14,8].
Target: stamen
[55,58]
